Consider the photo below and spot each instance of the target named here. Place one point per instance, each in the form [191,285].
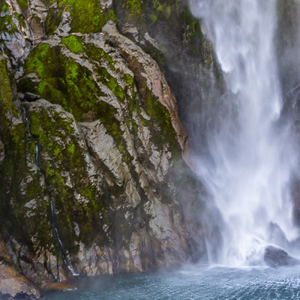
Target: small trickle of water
[26,119]
[44,30]
[36,153]
[61,245]
[251,155]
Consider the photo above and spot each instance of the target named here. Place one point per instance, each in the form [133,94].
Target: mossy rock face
[25,209]
[106,87]
[167,30]
[81,16]
[103,87]
[20,28]
[74,185]
[97,157]
[166,18]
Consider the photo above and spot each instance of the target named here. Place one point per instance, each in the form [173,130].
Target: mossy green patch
[23,4]
[162,7]
[161,126]
[63,80]
[135,6]
[97,54]
[4,6]
[129,79]
[66,82]
[73,43]
[86,16]
[6,94]
[53,20]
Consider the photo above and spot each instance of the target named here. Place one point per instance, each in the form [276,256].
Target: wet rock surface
[276,257]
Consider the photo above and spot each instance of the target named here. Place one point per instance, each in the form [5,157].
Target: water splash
[251,151]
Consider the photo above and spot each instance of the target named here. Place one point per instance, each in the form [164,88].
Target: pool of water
[191,283]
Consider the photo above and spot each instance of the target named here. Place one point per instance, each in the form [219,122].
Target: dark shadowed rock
[31,97]
[2,152]
[276,257]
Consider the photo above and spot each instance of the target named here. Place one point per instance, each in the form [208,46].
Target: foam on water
[251,152]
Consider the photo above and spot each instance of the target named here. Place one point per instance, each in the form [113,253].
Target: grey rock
[12,282]
[276,257]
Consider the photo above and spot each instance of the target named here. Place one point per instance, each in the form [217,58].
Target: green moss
[6,94]
[87,17]
[62,80]
[6,25]
[128,79]
[23,4]
[115,88]
[160,118]
[97,54]
[163,8]
[111,15]
[53,20]
[21,19]
[135,6]
[4,7]
[71,149]
[153,18]
[73,43]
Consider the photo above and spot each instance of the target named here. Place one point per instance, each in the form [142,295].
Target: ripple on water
[191,283]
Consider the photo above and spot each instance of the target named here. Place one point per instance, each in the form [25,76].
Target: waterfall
[251,149]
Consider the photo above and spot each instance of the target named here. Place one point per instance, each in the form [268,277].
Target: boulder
[276,257]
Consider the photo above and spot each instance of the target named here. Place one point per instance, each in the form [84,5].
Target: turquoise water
[191,283]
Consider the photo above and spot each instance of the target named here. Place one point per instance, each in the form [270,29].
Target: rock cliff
[95,164]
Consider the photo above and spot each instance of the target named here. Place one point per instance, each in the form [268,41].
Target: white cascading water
[253,155]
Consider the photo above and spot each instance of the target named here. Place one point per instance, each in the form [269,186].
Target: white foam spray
[252,154]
